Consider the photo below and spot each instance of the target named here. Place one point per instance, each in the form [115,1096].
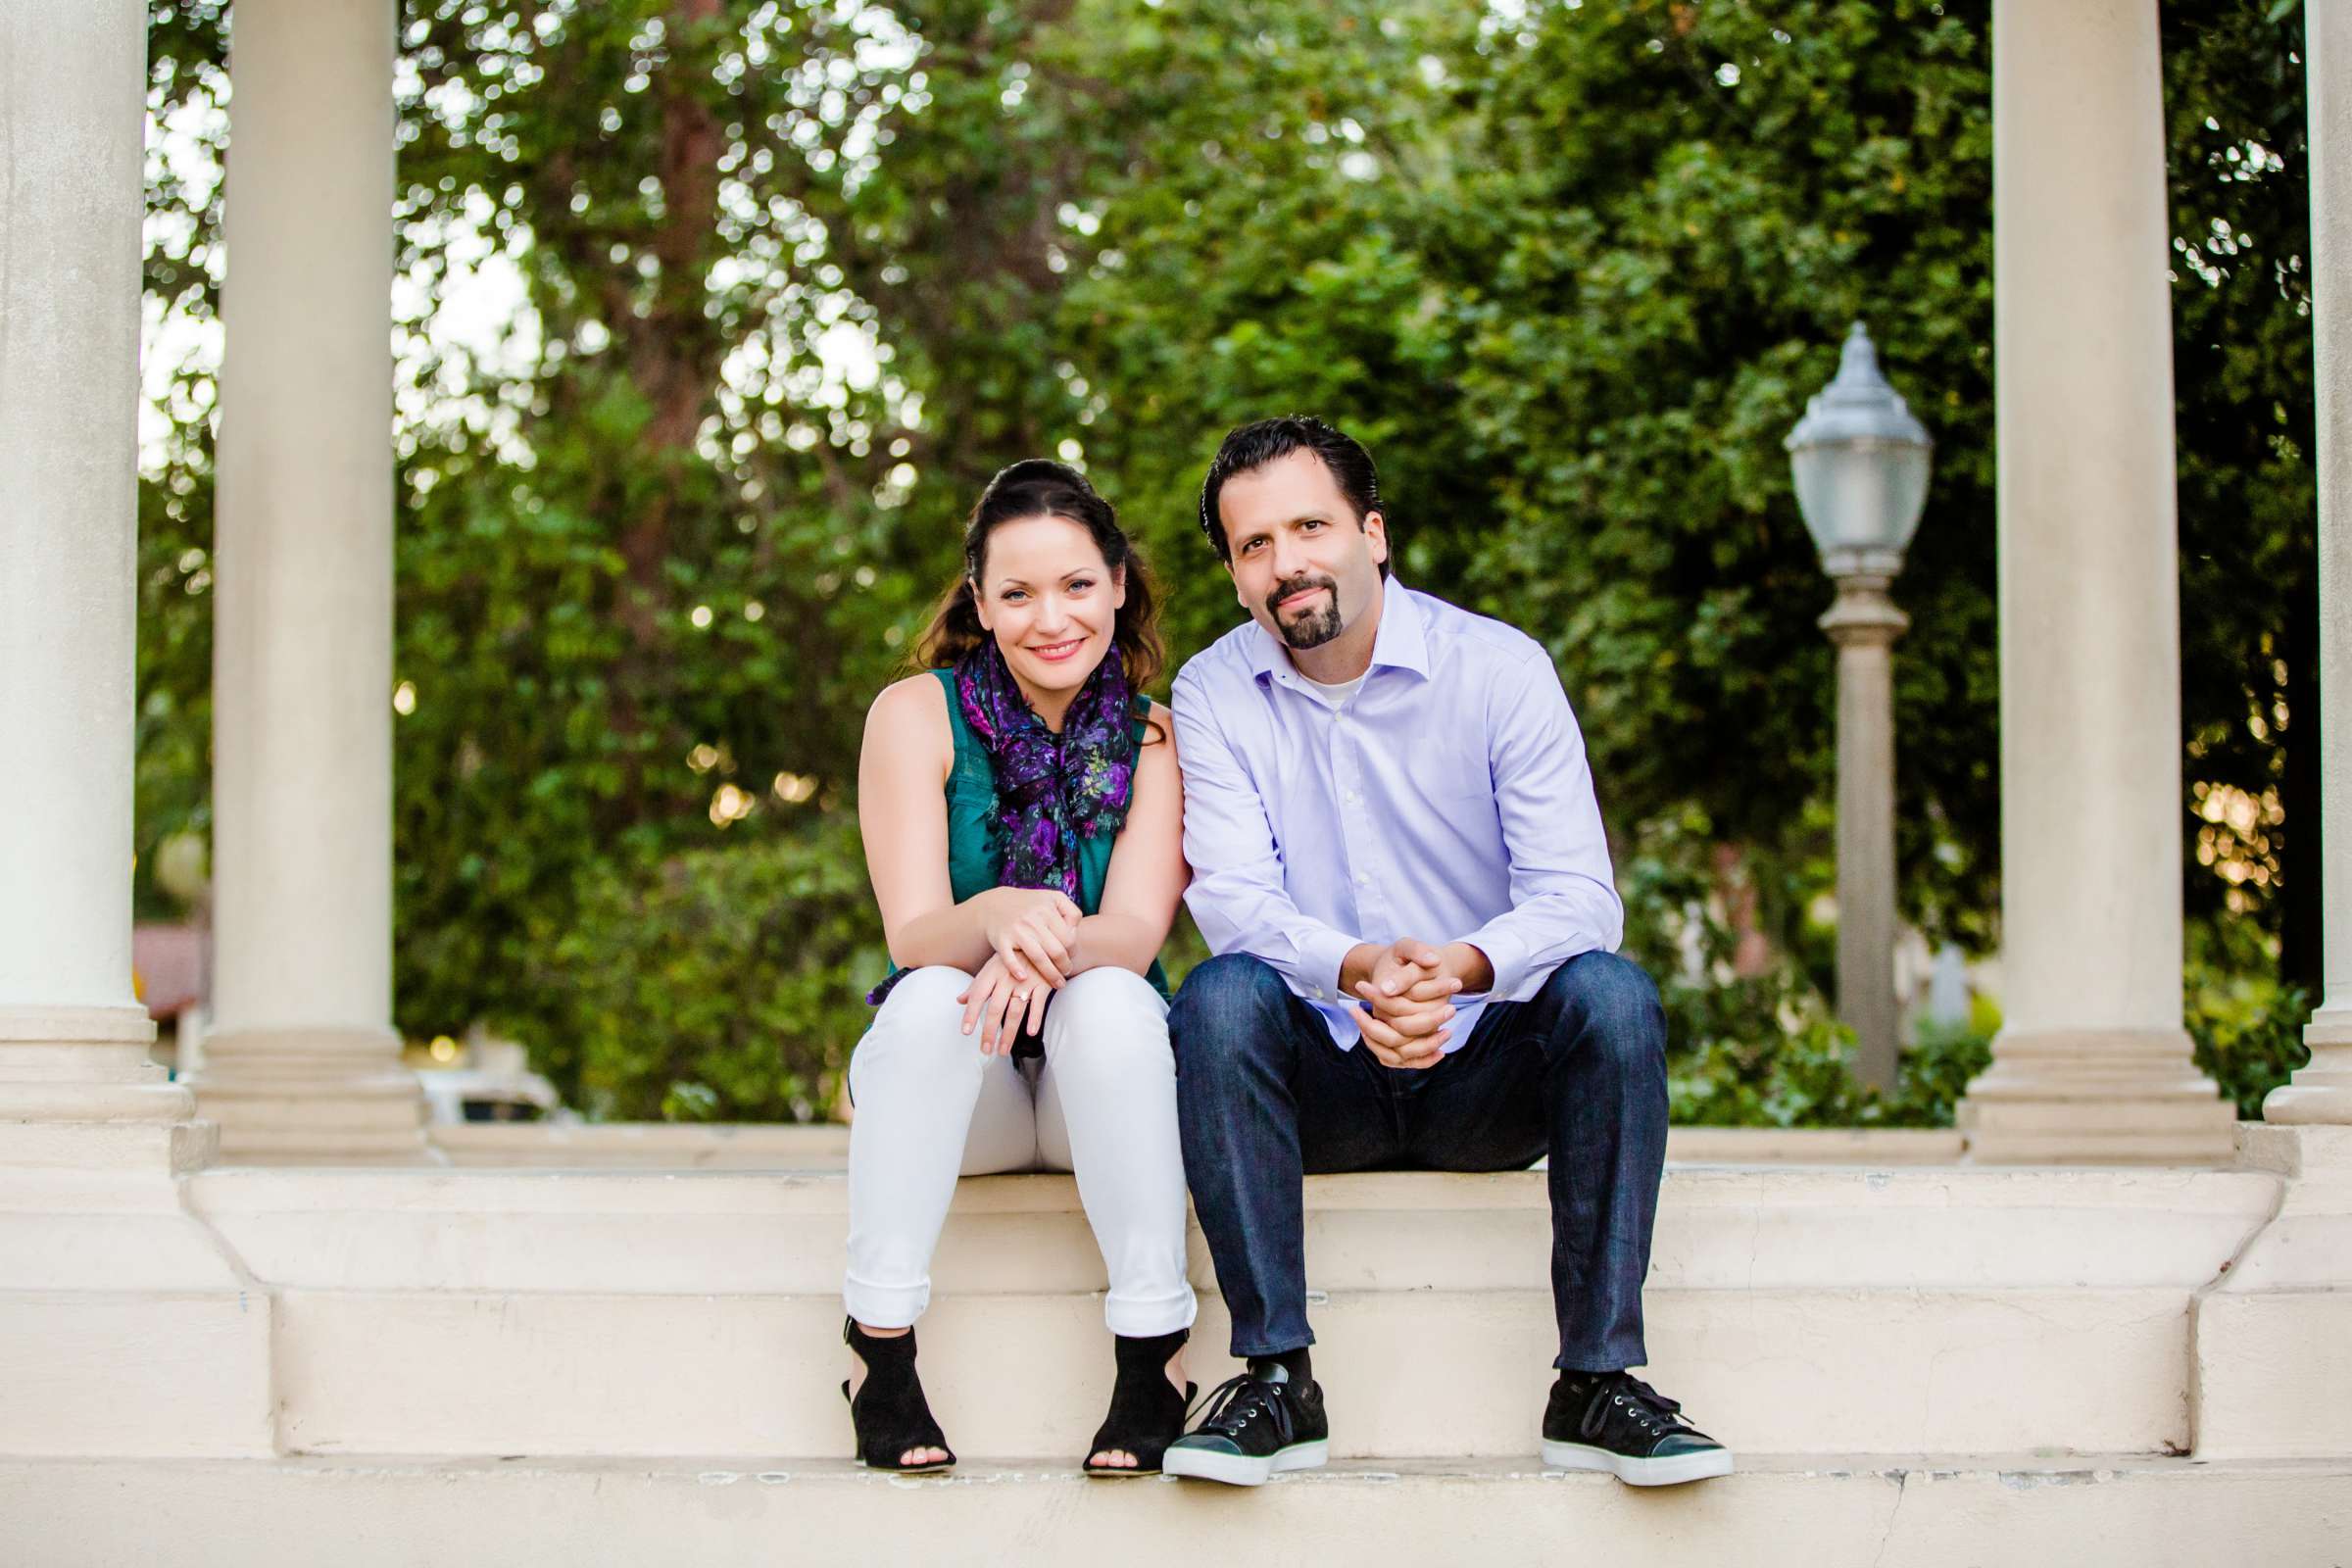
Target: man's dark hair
[1253,446]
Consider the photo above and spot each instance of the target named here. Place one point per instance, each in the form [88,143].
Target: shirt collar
[1401,641]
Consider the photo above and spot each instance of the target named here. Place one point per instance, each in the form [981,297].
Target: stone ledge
[495,1311]
[1411,1372]
[1776,1513]
[1719,1227]
[824,1146]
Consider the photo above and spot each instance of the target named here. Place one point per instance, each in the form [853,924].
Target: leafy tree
[187,81]
[2242,372]
[1572,275]
[792,278]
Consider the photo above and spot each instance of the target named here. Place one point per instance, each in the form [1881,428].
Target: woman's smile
[1055,652]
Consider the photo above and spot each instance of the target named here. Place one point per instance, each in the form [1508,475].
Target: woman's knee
[926,989]
[919,1021]
[1113,1007]
[1108,1028]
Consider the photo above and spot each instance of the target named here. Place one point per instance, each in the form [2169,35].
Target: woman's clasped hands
[1031,931]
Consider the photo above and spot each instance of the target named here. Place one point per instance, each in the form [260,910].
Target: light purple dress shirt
[1447,800]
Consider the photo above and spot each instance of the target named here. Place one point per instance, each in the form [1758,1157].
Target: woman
[1023,823]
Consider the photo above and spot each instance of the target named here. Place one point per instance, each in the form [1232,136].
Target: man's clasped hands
[1404,990]
[1406,993]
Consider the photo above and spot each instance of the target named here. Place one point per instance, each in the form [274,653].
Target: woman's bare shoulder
[1158,752]
[910,704]
[909,717]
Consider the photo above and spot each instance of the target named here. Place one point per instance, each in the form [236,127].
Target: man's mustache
[1297,585]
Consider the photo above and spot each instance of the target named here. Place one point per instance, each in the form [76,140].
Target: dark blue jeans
[1577,1072]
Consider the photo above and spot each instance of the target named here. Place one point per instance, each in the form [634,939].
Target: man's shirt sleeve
[1236,893]
[1563,895]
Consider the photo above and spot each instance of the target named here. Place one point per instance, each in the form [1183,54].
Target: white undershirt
[1337,696]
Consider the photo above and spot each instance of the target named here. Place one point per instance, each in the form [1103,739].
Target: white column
[302,1062]
[125,1328]
[2321,1092]
[2092,1063]
[72,1038]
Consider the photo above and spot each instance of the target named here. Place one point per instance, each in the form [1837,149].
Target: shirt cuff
[1322,953]
[1507,956]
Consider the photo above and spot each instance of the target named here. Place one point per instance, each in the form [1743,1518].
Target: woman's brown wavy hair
[1037,487]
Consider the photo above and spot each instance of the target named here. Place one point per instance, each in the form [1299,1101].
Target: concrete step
[822,1146]
[1407,1373]
[1792,1310]
[1799,1512]
[783,1232]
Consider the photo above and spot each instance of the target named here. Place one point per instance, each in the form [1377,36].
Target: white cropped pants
[930,1107]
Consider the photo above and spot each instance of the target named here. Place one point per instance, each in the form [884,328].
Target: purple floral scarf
[1053,791]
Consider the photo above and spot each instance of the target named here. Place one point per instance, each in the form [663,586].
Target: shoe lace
[1644,1405]
[1236,1402]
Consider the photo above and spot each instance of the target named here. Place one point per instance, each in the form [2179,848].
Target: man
[1399,864]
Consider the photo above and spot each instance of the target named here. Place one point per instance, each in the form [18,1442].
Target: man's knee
[1228,1006]
[1608,1005]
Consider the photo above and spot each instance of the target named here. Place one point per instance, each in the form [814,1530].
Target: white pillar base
[2321,1092]
[312,1097]
[2107,1097]
[2272,1376]
[77,1089]
[125,1325]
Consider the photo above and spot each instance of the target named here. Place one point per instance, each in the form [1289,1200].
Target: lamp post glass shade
[1860,462]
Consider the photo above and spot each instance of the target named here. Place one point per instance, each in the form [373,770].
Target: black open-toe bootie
[1147,1413]
[888,1411]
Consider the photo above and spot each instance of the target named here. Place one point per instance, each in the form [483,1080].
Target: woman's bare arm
[903,813]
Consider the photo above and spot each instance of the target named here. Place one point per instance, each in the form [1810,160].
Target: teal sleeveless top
[972,867]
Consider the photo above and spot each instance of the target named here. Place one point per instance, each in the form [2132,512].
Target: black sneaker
[1614,1421]
[1258,1424]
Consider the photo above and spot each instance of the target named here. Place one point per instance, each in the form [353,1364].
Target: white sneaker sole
[1670,1471]
[1240,1470]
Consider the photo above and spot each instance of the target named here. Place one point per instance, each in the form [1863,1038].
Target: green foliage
[795,277]
[1799,1077]
[187,74]
[173,770]
[718,985]
[1647,350]
[2248,1031]
[1572,279]
[2242,371]
[2246,1023]
[1762,1049]
[630,601]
